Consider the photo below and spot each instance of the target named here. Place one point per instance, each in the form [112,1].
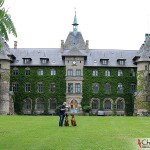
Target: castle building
[105,79]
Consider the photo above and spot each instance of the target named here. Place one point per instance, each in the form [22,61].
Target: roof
[74,52]
[143,54]
[55,56]
[4,51]
[95,55]
[74,40]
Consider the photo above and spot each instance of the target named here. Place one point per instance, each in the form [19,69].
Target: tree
[6,24]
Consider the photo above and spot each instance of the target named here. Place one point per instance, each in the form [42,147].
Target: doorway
[74,106]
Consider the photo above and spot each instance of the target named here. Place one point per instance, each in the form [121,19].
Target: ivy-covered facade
[118,89]
[102,79]
[35,92]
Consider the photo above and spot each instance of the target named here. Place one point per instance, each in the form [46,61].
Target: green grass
[91,133]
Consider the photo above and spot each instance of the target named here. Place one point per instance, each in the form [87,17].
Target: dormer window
[27,60]
[104,61]
[121,62]
[44,60]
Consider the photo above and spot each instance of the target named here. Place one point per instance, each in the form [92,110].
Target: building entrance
[74,106]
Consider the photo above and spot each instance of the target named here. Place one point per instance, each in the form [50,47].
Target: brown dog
[66,123]
[73,121]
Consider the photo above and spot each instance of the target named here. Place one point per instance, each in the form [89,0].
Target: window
[107,73]
[132,73]
[77,88]
[95,73]
[15,71]
[53,104]
[95,87]
[44,60]
[40,104]
[78,72]
[53,72]
[40,72]
[107,88]
[40,87]
[27,104]
[27,71]
[120,73]
[14,87]
[26,60]
[146,67]
[95,104]
[120,88]
[52,87]
[104,61]
[107,104]
[70,87]
[132,88]
[69,72]
[121,62]
[27,87]
[120,105]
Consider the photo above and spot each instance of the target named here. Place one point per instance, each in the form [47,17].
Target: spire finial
[75,24]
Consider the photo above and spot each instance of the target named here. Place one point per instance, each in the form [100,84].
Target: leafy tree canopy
[6,24]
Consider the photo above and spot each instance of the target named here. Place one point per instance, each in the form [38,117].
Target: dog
[73,121]
[66,123]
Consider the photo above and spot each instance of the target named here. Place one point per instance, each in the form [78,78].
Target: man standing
[62,114]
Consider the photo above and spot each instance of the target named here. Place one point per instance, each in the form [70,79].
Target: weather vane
[75,9]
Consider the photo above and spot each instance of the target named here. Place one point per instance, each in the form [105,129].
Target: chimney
[15,44]
[147,35]
[62,46]
[87,44]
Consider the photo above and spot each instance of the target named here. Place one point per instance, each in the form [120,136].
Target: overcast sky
[107,24]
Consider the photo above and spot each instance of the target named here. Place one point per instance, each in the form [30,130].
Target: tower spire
[75,24]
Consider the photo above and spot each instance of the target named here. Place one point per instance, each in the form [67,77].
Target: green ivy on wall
[140,102]
[60,82]
[113,80]
[33,79]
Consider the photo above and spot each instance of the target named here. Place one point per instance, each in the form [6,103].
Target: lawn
[91,133]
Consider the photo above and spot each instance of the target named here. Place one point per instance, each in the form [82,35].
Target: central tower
[74,54]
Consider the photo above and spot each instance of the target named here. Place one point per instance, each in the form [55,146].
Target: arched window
[107,88]
[107,104]
[94,104]
[120,105]
[53,103]
[27,104]
[40,104]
